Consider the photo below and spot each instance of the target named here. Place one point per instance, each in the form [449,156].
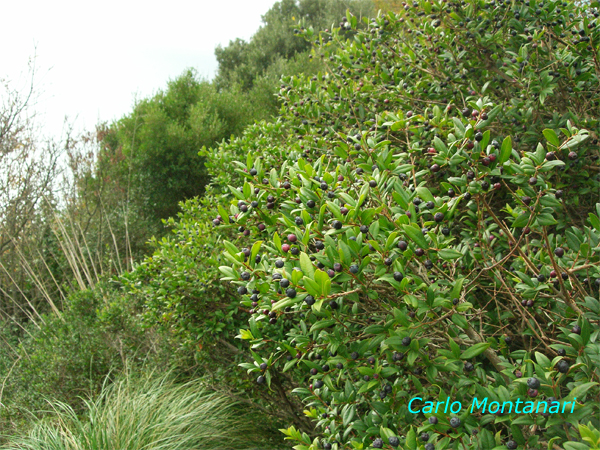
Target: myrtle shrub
[421,221]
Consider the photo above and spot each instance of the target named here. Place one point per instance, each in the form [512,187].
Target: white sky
[94,58]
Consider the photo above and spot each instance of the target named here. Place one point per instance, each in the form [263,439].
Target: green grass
[148,414]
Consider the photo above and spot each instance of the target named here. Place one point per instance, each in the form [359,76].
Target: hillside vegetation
[421,220]
[363,217]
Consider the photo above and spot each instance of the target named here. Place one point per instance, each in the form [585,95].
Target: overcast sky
[94,58]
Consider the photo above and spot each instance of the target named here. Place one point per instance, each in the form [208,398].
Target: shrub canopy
[421,221]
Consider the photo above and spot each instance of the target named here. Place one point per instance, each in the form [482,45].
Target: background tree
[278,40]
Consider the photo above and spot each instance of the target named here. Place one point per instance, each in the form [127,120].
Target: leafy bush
[148,413]
[422,221]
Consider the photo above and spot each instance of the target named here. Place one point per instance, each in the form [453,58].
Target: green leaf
[521,221]
[486,440]
[542,360]
[236,192]
[424,193]
[312,287]
[224,214]
[505,150]
[416,235]
[457,288]
[439,145]
[389,243]
[306,265]
[277,241]
[322,324]
[546,219]
[575,446]
[460,321]
[345,253]
[230,247]
[255,250]
[551,137]
[368,386]
[581,390]
[595,221]
[455,348]
[323,281]
[385,433]
[273,178]
[475,350]
[411,439]
[449,254]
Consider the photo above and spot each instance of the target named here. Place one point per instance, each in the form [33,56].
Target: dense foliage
[422,220]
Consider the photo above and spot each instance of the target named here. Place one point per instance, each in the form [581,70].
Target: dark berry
[394,441]
[559,252]
[563,366]
[532,393]
[406,341]
[398,276]
[455,422]
[291,292]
